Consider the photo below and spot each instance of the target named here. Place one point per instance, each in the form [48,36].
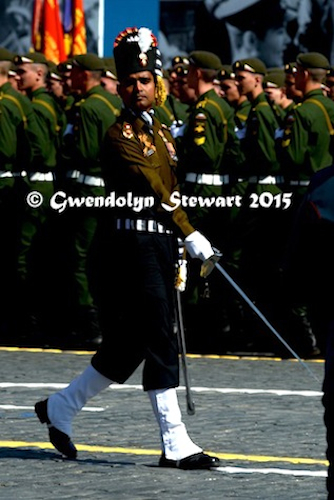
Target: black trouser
[328,403]
[321,308]
[318,259]
[137,309]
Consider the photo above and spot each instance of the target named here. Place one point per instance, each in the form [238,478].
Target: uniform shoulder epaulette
[241,116]
[79,103]
[207,102]
[201,104]
[262,104]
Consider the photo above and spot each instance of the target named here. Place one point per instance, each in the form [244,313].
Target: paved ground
[262,417]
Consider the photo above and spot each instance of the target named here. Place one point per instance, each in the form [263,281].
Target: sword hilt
[210,263]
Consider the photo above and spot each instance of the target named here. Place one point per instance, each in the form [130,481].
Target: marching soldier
[139,159]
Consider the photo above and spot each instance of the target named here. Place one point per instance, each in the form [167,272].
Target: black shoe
[197,461]
[61,441]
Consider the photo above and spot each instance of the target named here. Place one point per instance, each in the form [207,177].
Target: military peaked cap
[274,79]
[31,58]
[205,60]
[54,73]
[290,68]
[65,66]
[331,71]
[6,55]
[89,62]
[110,68]
[180,60]
[313,60]
[225,73]
[253,65]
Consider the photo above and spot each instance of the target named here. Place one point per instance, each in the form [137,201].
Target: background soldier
[330,83]
[307,147]
[292,92]
[274,87]
[210,154]
[28,150]
[260,225]
[12,141]
[94,114]
[35,242]
[172,112]
[230,91]
[109,79]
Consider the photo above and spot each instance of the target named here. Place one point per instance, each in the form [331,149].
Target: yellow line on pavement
[249,358]
[141,451]
[48,351]
[191,356]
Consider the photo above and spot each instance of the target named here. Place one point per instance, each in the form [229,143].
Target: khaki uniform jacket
[141,160]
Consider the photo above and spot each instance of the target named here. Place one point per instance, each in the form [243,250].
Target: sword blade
[183,351]
[262,317]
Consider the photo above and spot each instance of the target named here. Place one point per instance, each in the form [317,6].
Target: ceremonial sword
[211,263]
[183,351]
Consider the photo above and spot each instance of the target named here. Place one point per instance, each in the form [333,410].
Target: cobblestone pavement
[262,417]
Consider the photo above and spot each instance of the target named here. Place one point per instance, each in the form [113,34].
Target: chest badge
[127,130]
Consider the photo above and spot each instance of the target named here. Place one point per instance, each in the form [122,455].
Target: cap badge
[143,59]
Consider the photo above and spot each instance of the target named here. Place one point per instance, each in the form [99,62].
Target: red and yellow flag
[47,30]
[36,31]
[79,29]
[74,27]
[53,35]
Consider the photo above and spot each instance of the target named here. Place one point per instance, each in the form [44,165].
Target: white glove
[177,129]
[198,246]
[181,278]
